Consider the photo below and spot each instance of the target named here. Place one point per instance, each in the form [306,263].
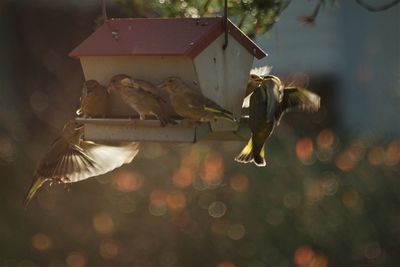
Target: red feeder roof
[159,37]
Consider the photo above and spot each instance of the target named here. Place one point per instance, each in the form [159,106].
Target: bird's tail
[36,184]
[247,155]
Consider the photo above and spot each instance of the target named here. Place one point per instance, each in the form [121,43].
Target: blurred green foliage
[252,16]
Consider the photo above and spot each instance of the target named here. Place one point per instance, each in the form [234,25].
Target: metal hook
[225,24]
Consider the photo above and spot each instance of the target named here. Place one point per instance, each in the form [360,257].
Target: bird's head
[116,82]
[170,84]
[254,80]
[90,86]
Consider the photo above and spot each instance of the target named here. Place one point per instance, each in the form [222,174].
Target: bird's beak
[259,80]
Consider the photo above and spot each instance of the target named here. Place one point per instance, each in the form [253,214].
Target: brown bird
[268,103]
[141,96]
[72,159]
[192,104]
[94,100]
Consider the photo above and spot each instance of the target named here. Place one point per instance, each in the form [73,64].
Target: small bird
[94,100]
[268,103]
[141,96]
[191,104]
[72,159]
[255,80]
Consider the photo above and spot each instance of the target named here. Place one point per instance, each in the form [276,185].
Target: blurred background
[329,195]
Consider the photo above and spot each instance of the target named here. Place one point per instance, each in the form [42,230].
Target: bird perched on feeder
[139,96]
[268,103]
[72,159]
[191,104]
[94,100]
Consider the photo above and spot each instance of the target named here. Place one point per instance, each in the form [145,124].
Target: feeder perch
[157,48]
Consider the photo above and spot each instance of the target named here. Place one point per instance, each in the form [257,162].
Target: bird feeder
[194,49]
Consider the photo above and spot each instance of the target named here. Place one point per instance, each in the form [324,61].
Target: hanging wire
[104,10]
[225,24]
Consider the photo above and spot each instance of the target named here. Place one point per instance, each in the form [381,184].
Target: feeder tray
[150,130]
[193,49]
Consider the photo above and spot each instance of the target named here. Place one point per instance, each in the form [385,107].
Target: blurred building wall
[361,49]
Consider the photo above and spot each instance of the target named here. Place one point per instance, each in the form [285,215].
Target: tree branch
[377,8]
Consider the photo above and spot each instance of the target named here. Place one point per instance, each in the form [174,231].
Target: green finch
[191,104]
[268,103]
[255,80]
[94,100]
[141,96]
[72,159]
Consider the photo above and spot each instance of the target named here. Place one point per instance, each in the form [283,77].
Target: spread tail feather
[247,155]
[36,184]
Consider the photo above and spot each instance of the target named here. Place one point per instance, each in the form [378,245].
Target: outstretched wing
[106,157]
[295,98]
[65,160]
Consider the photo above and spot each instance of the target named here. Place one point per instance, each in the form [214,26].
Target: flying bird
[191,104]
[142,97]
[72,159]
[94,100]
[268,103]
[255,80]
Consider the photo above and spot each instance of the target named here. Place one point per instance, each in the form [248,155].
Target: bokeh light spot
[274,217]
[291,199]
[303,256]
[183,177]
[126,181]
[213,169]
[393,153]
[236,231]
[351,199]
[217,209]
[41,241]
[226,263]
[8,149]
[304,149]
[325,139]
[152,150]
[109,249]
[348,159]
[319,261]
[372,250]
[239,182]
[376,155]
[158,202]
[103,223]
[76,259]
[176,200]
